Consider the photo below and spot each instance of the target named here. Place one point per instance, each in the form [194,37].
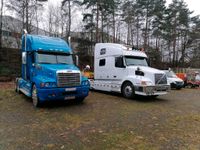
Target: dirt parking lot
[102,121]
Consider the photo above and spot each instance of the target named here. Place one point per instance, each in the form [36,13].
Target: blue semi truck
[48,71]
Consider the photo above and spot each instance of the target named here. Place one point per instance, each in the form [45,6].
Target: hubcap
[128,91]
[34,96]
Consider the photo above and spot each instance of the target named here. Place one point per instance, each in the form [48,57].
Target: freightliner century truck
[48,71]
[119,68]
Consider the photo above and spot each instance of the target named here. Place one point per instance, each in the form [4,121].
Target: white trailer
[119,68]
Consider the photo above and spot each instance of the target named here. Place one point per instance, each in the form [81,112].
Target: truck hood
[147,69]
[49,70]
[56,67]
[155,76]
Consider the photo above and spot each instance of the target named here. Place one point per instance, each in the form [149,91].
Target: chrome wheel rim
[128,91]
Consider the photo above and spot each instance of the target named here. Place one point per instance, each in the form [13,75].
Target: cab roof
[113,49]
[44,43]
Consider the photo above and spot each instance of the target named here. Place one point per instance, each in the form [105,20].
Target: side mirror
[76,60]
[24,58]
[149,62]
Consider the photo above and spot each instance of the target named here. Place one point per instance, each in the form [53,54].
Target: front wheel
[80,100]
[128,90]
[36,101]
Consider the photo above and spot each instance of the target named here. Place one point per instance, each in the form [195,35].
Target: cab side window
[102,62]
[119,62]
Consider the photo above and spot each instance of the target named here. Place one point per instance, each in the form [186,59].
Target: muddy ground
[102,121]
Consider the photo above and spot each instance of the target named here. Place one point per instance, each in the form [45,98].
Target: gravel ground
[102,121]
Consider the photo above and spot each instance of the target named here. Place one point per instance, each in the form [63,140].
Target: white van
[173,80]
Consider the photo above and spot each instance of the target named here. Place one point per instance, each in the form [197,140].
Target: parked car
[173,80]
[193,79]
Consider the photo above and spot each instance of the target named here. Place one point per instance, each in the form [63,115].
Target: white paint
[111,78]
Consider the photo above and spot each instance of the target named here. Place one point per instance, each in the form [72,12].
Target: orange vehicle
[189,79]
[182,76]
[88,74]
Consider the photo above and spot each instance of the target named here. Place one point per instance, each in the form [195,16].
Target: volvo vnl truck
[122,69]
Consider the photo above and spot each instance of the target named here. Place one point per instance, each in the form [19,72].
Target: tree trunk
[97,26]
[1,23]
[27,17]
[128,34]
[146,28]
[102,35]
[169,49]
[23,16]
[70,18]
[37,22]
[137,30]
[174,48]
[114,26]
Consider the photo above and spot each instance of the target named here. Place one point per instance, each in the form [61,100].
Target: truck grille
[160,79]
[68,79]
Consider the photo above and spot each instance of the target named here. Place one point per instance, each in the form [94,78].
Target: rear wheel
[36,101]
[128,90]
[190,85]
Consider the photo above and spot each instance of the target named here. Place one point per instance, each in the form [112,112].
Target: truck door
[119,68]
[30,61]
[118,73]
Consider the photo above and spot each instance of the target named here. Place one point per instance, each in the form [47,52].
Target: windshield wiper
[62,63]
[131,65]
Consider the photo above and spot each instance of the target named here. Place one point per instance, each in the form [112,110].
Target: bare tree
[67,3]
[1,23]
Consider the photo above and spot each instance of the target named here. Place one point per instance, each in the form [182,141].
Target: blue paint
[44,43]
[45,76]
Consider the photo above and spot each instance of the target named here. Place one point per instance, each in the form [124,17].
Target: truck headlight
[48,84]
[85,82]
[146,83]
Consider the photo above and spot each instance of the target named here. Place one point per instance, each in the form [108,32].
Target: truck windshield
[51,58]
[135,61]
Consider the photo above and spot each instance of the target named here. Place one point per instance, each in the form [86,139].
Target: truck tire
[80,100]
[190,85]
[36,101]
[128,90]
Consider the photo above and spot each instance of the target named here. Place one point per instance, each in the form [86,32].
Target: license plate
[69,97]
[160,88]
[70,89]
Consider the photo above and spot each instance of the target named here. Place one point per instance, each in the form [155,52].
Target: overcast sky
[193,5]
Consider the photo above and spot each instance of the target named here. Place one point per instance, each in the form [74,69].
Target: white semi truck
[119,68]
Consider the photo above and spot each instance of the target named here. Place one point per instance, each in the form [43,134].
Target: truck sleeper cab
[48,71]
[121,69]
